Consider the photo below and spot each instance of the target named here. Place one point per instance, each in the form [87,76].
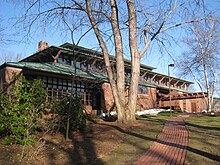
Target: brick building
[54,65]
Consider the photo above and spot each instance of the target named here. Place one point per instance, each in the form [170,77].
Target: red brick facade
[7,73]
[91,83]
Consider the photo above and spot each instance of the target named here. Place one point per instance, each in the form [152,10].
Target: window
[60,82]
[60,60]
[77,64]
[99,68]
[84,66]
[143,89]
[129,75]
[147,78]
[94,68]
[72,62]
[58,87]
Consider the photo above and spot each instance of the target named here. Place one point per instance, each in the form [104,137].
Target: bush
[67,115]
[20,109]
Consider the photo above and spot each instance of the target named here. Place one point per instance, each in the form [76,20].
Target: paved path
[170,147]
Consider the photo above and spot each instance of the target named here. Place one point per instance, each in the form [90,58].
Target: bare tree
[202,58]
[116,24]
[10,57]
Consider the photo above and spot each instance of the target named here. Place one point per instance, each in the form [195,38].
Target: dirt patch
[84,147]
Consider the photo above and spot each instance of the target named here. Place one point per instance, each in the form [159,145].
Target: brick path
[170,147]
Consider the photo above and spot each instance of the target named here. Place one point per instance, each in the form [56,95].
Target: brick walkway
[170,147]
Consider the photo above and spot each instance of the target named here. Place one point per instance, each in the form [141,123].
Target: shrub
[20,109]
[67,115]
[72,110]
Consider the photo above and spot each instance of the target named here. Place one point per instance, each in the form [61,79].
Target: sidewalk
[170,147]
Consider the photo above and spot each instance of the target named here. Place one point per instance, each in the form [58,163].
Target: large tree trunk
[120,71]
[133,90]
[119,100]
[135,58]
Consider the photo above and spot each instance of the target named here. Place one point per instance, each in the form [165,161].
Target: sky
[11,10]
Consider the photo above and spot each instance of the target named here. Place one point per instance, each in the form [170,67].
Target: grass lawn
[204,140]
[137,140]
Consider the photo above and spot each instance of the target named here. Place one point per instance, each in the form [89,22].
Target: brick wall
[147,101]
[191,105]
[7,74]
[144,101]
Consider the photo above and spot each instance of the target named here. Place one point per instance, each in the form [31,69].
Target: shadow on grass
[190,149]
[82,152]
[194,150]
[205,154]
[203,127]
[128,132]
[204,133]
[151,118]
[133,146]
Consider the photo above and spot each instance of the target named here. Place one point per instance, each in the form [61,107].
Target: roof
[65,70]
[57,68]
[172,88]
[67,49]
[174,78]
[69,46]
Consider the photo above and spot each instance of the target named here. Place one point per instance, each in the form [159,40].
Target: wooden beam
[153,77]
[176,82]
[161,79]
[182,96]
[169,82]
[93,63]
[187,86]
[143,75]
[55,58]
[181,86]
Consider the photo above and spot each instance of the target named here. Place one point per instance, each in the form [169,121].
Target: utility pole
[170,65]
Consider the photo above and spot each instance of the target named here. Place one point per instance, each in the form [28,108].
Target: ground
[85,147]
[204,141]
[107,143]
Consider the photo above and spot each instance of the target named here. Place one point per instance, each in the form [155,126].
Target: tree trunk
[209,106]
[119,101]
[213,90]
[120,70]
[135,58]
[133,90]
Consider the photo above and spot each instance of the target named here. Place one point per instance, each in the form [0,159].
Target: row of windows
[60,87]
[143,89]
[79,64]
[100,68]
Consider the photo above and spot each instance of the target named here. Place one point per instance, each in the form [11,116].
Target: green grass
[204,140]
[137,140]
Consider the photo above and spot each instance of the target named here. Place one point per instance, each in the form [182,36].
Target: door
[193,107]
[96,101]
